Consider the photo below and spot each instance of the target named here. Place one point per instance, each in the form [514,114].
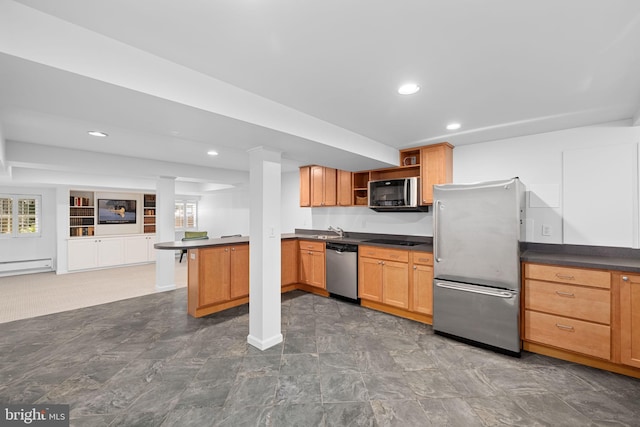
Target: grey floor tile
[452,412]
[472,383]
[400,413]
[334,344]
[298,415]
[298,389]
[343,387]
[205,394]
[303,344]
[549,409]
[601,408]
[501,410]
[192,417]
[431,383]
[252,391]
[376,361]
[349,414]
[513,381]
[338,362]
[387,386]
[260,365]
[299,364]
[414,360]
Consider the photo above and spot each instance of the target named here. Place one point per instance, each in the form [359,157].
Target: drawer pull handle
[565,294]
[565,276]
[564,327]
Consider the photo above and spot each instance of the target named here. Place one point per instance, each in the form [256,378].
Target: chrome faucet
[337,230]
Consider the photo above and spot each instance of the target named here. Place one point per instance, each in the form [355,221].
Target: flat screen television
[116,211]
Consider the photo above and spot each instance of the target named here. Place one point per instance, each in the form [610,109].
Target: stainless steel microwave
[397,194]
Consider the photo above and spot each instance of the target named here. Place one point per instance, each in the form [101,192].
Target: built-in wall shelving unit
[81,213]
[149,213]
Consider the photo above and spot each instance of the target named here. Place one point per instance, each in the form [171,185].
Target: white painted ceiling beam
[35,36]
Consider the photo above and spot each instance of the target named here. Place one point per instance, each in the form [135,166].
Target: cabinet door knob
[415,267]
[226,249]
[233,249]
[625,278]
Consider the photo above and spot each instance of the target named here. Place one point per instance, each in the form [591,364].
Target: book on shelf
[79,201]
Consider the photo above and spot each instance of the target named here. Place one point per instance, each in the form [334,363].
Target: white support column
[264,248]
[165,232]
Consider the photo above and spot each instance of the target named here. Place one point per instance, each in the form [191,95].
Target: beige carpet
[31,295]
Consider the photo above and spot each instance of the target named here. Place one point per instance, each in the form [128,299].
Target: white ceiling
[315,80]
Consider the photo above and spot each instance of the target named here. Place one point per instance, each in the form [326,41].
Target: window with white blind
[19,215]
[186,215]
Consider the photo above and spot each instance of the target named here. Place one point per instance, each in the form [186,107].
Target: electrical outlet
[546,230]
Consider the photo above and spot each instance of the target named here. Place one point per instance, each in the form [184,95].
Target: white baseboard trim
[264,344]
[164,288]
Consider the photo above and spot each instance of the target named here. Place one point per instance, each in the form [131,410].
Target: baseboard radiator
[25,266]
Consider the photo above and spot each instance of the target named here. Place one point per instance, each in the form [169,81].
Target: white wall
[537,160]
[225,212]
[44,246]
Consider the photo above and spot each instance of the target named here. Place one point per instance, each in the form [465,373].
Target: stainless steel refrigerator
[477,230]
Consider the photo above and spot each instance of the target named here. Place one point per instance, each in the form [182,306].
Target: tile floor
[145,362]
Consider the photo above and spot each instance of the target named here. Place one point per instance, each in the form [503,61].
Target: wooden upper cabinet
[436,167]
[305,186]
[323,186]
[344,188]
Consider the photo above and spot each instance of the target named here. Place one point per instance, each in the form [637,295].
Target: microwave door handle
[406,191]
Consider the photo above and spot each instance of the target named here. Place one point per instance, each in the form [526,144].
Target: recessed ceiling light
[212,153]
[97,133]
[408,89]
[453,126]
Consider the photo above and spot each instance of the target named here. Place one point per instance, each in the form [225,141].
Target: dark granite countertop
[601,257]
[423,243]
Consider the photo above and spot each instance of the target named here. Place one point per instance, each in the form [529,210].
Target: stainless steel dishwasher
[342,270]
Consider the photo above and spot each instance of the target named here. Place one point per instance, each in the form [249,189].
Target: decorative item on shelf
[409,161]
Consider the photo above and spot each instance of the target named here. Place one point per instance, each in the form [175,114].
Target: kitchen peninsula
[218,271]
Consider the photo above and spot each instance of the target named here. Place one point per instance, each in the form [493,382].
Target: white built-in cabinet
[99,252]
[139,249]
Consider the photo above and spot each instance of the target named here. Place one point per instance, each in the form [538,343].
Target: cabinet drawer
[591,304]
[570,334]
[554,273]
[422,258]
[384,253]
[312,246]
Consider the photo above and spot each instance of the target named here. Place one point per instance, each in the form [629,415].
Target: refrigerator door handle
[436,239]
[477,290]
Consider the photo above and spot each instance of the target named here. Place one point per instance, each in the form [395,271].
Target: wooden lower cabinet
[218,278]
[289,262]
[629,306]
[571,334]
[383,276]
[239,268]
[422,283]
[568,308]
[312,264]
